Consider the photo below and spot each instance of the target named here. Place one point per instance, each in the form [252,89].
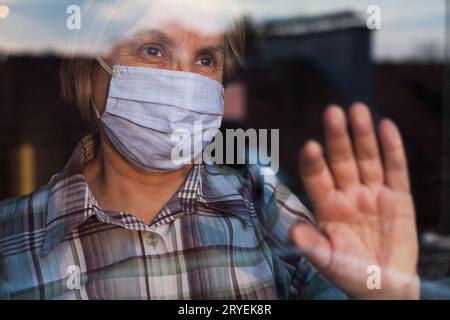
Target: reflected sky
[40,25]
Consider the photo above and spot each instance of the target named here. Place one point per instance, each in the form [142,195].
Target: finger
[315,174]
[366,147]
[395,164]
[313,245]
[339,148]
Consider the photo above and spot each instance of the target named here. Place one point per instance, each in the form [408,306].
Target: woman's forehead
[173,31]
[204,17]
[173,36]
[107,25]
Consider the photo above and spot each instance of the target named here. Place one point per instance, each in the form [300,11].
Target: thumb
[313,245]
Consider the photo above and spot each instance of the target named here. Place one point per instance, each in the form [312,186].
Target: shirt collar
[71,202]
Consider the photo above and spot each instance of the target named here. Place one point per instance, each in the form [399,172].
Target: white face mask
[146,106]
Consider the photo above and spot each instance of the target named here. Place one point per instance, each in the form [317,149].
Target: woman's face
[171,47]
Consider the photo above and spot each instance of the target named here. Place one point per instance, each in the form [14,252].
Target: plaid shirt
[224,235]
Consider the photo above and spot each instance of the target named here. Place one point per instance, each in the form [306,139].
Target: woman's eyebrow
[158,36]
[213,49]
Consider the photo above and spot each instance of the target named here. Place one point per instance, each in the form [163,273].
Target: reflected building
[337,44]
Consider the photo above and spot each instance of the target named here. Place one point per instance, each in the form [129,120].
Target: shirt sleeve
[4,289]
[4,292]
[281,209]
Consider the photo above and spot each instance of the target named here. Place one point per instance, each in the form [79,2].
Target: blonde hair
[76,73]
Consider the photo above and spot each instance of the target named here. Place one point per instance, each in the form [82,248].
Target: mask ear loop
[113,74]
[94,108]
[106,66]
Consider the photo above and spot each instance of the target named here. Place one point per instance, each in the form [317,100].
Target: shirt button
[152,240]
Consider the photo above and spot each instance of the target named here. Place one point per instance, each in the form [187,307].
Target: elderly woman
[123,220]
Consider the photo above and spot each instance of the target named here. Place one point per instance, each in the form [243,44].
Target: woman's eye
[206,61]
[152,51]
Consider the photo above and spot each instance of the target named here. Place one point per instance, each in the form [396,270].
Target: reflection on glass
[300,57]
